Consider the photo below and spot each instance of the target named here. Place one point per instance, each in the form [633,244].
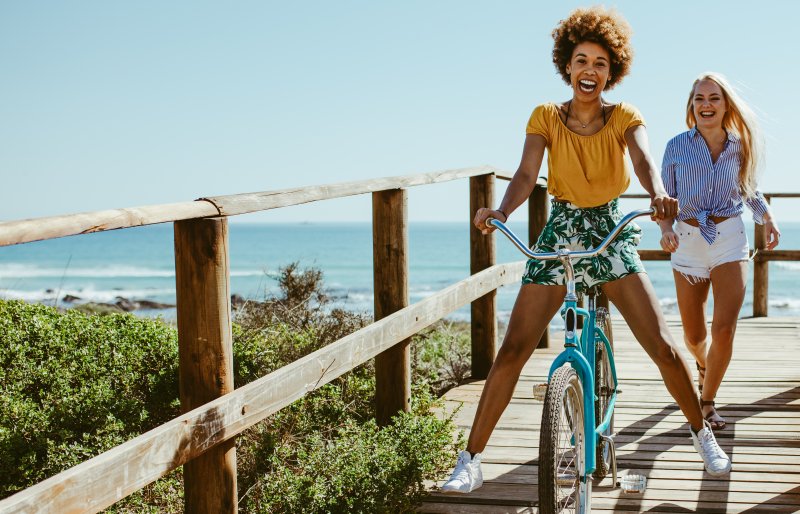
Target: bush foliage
[74,385]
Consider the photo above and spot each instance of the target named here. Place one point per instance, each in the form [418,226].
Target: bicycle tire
[603,390]
[562,447]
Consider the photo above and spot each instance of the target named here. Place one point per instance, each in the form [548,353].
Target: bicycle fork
[583,364]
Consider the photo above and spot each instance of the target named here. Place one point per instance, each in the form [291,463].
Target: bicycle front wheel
[603,390]
[562,443]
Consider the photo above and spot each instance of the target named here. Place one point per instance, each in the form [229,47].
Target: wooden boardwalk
[760,398]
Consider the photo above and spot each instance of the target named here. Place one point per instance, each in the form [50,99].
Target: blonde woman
[586,139]
[711,170]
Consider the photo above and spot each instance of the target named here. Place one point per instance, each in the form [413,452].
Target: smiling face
[708,104]
[589,70]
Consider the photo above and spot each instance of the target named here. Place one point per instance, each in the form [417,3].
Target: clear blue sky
[121,104]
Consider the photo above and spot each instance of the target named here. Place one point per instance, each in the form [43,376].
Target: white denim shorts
[695,258]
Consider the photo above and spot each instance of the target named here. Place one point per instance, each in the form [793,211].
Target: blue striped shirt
[703,188]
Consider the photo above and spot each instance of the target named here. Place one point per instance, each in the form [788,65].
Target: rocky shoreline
[122,304]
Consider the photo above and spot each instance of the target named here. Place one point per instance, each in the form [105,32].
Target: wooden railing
[202,439]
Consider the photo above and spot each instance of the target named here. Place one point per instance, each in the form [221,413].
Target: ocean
[138,264]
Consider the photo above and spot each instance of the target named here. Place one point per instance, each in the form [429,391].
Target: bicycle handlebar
[565,253]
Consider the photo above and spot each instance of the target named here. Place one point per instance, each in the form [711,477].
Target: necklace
[582,124]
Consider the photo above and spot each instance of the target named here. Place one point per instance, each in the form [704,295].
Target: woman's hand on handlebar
[664,207]
[482,214]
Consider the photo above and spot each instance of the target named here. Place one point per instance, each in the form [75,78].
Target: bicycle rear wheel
[603,390]
[562,444]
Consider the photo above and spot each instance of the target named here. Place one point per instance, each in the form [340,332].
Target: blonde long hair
[740,119]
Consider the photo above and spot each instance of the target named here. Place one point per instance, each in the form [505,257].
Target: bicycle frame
[580,354]
[579,351]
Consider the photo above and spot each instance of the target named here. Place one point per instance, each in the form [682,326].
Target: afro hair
[597,25]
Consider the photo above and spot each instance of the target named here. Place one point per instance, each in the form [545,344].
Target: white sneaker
[717,463]
[467,476]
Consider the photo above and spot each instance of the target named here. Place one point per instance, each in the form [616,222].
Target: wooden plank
[205,343]
[526,494]
[230,205]
[777,255]
[760,275]
[763,436]
[762,256]
[471,508]
[782,195]
[483,318]
[38,229]
[390,281]
[653,255]
[772,482]
[99,482]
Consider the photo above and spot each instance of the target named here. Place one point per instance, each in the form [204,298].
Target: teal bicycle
[576,441]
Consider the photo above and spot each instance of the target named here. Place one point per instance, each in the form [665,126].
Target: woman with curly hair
[711,170]
[586,138]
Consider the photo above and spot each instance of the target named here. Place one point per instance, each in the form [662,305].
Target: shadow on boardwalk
[760,399]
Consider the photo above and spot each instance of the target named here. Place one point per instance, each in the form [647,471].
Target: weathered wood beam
[205,344]
[482,256]
[760,273]
[538,212]
[230,205]
[38,229]
[390,281]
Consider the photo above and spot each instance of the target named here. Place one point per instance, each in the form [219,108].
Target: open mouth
[587,86]
[707,114]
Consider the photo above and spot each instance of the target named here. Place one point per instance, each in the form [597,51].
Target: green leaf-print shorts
[571,227]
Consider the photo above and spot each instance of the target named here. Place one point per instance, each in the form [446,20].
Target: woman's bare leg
[692,303]
[636,300]
[728,282]
[534,308]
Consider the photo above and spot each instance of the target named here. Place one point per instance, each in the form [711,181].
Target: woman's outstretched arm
[521,184]
[665,206]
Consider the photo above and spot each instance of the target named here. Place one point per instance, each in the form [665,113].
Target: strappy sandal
[701,374]
[716,424]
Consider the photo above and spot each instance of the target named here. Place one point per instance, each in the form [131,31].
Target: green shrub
[73,386]
[440,357]
[362,468]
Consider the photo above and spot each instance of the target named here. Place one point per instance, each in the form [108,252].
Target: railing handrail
[101,481]
[52,227]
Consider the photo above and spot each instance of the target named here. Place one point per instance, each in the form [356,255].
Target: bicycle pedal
[540,391]
[609,438]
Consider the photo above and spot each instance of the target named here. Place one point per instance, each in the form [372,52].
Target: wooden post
[760,273]
[390,275]
[482,256]
[538,212]
[206,354]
